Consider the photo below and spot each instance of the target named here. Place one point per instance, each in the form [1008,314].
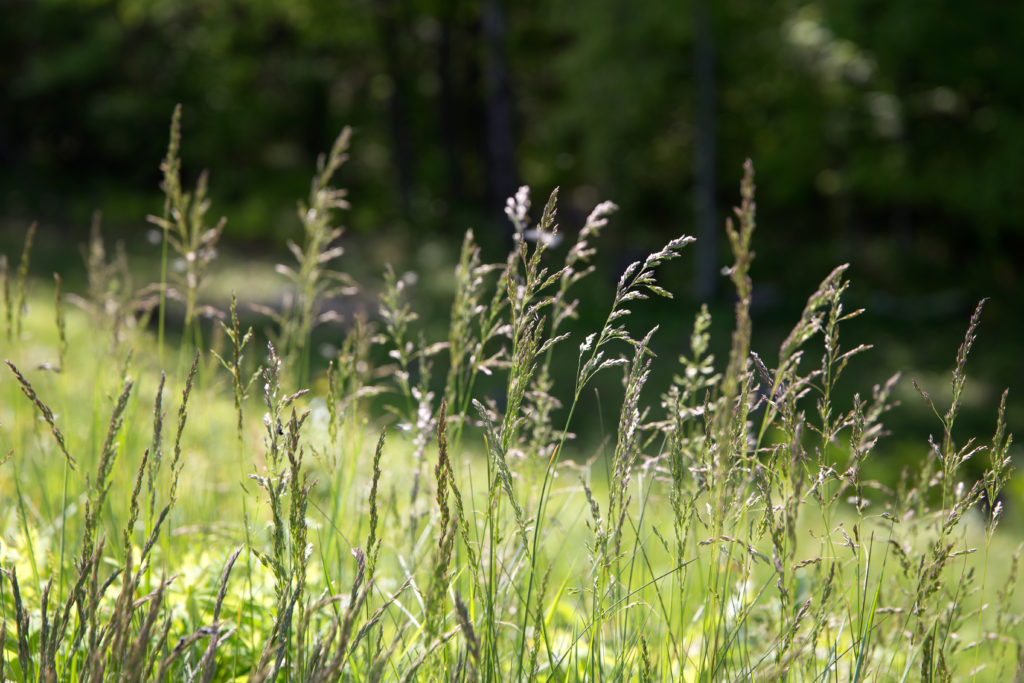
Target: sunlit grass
[423,509]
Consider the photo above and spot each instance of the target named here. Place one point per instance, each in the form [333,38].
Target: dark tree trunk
[502,177]
[447,107]
[705,162]
[389,30]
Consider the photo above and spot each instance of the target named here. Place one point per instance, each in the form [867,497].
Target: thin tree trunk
[447,107]
[502,177]
[705,162]
[398,121]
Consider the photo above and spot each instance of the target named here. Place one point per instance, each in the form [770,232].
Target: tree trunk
[705,162]
[502,178]
[447,108]
[401,143]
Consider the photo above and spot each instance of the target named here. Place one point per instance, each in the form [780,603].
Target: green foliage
[875,154]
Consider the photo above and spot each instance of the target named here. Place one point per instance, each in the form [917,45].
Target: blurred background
[889,135]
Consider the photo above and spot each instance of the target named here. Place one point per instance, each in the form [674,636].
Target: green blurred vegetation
[869,119]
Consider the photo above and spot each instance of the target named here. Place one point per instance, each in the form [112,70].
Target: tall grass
[725,531]
[184,228]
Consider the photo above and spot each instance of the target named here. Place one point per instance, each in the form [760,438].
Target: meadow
[183,502]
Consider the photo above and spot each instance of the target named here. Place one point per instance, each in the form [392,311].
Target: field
[183,502]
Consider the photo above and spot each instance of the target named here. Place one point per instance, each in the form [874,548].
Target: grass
[421,510]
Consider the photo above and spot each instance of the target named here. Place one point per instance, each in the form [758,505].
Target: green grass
[205,508]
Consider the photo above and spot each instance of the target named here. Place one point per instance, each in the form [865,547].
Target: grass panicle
[21,282]
[5,287]
[176,462]
[112,299]
[314,278]
[241,382]
[184,227]
[15,294]
[44,411]
[60,321]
